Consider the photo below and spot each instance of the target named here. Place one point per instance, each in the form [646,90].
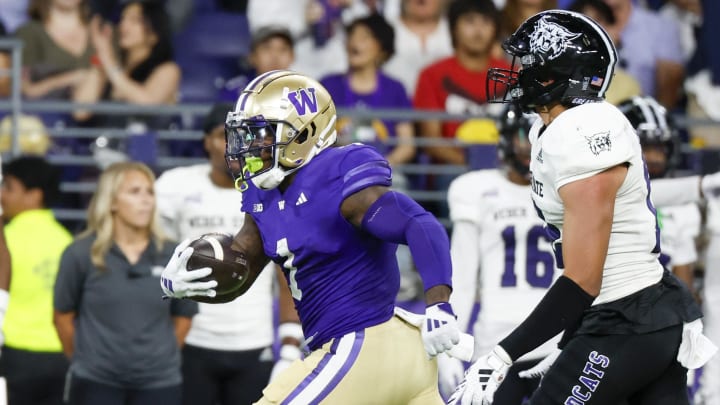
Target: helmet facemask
[527,83]
[558,57]
[281,121]
[253,150]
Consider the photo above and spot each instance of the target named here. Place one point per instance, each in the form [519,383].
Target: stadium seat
[209,50]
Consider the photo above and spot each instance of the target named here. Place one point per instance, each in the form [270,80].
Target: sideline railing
[188,115]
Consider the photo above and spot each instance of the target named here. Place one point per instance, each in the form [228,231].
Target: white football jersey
[191,205]
[579,143]
[679,227]
[497,232]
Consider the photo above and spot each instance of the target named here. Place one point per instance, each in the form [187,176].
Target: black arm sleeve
[560,309]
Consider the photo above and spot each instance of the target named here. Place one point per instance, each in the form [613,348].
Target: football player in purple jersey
[328,217]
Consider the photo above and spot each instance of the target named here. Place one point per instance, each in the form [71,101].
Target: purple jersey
[342,278]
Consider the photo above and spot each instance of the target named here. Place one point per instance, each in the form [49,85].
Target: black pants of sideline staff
[87,392]
[33,378]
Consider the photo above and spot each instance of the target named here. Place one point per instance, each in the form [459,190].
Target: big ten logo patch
[589,380]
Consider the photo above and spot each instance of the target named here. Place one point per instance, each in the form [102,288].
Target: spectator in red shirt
[457,84]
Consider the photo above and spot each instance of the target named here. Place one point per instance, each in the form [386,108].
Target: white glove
[542,367]
[177,282]
[288,354]
[482,379]
[440,331]
[450,373]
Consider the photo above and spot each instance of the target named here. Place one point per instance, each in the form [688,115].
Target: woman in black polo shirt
[113,324]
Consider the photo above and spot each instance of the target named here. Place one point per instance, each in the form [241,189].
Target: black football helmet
[656,129]
[558,56]
[514,124]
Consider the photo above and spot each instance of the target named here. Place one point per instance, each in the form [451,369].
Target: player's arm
[248,242]
[466,265]
[675,191]
[683,190]
[584,249]
[65,327]
[177,282]
[394,217]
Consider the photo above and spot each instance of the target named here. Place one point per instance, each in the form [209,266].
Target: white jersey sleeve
[577,151]
[466,213]
[169,191]
[580,143]
[679,227]
[191,205]
[675,191]
[500,253]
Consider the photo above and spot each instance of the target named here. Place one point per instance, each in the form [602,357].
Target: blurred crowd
[408,55]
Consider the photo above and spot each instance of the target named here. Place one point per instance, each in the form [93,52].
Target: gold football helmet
[282,119]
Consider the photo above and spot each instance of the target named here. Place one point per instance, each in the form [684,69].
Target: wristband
[290,330]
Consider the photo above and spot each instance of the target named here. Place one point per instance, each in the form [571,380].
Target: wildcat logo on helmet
[307,99]
[550,39]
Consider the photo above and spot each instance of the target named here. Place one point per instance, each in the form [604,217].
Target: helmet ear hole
[302,137]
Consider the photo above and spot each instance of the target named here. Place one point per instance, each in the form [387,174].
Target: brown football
[229,267]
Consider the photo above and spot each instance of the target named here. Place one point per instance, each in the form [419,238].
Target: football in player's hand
[229,267]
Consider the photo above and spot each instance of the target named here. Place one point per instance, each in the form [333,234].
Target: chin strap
[270,179]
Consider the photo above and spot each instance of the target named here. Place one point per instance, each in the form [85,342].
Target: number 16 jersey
[498,243]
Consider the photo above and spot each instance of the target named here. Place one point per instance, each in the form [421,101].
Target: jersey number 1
[283,250]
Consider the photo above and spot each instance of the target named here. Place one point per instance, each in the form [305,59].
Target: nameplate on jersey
[510,212]
[537,186]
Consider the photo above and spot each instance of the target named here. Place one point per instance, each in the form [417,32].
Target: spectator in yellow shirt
[32,359]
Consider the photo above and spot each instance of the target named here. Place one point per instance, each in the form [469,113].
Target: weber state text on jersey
[581,142]
[341,278]
[512,253]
